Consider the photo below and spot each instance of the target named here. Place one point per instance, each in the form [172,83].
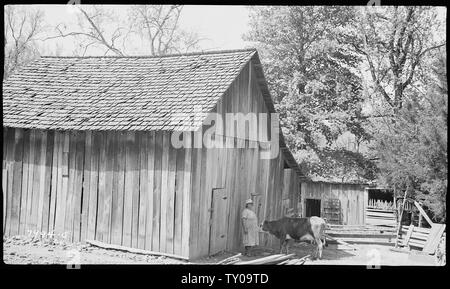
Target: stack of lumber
[272,259]
[362,234]
[379,217]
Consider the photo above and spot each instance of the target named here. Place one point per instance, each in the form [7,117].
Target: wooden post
[400,219]
[422,212]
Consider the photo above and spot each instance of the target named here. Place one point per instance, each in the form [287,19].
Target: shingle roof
[118,93]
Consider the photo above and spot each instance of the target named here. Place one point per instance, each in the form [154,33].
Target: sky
[221,27]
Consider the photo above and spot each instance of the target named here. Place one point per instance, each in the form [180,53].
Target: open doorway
[312,207]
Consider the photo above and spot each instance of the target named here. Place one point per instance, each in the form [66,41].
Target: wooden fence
[381,204]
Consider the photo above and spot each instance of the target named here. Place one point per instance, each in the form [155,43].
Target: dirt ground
[35,250]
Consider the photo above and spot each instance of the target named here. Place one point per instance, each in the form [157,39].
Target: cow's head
[265,226]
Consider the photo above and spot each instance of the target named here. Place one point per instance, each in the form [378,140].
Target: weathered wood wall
[125,188]
[353,199]
[240,170]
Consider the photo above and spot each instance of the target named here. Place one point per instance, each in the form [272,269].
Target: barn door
[312,207]
[218,221]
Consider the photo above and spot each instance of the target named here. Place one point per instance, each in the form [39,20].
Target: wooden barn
[88,149]
[338,202]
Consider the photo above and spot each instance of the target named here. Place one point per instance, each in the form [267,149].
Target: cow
[299,229]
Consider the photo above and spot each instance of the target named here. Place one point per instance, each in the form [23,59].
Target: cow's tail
[323,229]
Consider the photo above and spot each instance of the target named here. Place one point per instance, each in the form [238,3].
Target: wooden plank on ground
[133,250]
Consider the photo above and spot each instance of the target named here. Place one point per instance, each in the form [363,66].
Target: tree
[23,27]
[158,25]
[155,25]
[315,81]
[413,145]
[395,42]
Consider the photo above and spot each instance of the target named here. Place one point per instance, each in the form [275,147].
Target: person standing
[250,226]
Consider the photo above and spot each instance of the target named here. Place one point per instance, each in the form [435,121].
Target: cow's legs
[319,248]
[282,244]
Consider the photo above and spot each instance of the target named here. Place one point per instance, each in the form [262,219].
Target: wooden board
[170,204]
[164,192]
[16,182]
[100,229]
[150,187]
[179,190]
[143,188]
[128,190]
[86,184]
[25,173]
[118,189]
[111,154]
[94,185]
[48,181]
[134,187]
[186,196]
[434,238]
[78,185]
[157,192]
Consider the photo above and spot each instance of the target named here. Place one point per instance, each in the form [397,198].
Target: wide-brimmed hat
[249,201]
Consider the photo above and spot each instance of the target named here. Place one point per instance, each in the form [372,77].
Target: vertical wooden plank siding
[130,162]
[118,189]
[143,188]
[170,204]
[179,190]
[157,191]
[86,184]
[186,196]
[26,163]
[93,185]
[47,181]
[150,201]
[16,182]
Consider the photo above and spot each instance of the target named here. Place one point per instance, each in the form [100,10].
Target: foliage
[395,43]
[413,145]
[314,79]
